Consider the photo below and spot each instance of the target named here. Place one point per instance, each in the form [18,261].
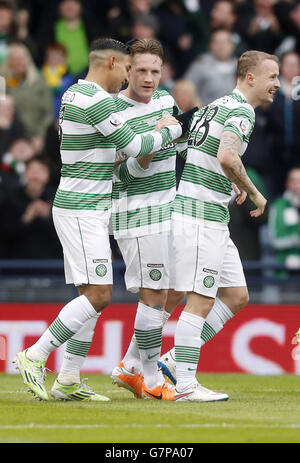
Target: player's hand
[241,195]
[185,118]
[260,202]
[120,157]
[165,121]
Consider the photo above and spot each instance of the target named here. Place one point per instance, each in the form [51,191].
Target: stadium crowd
[44,49]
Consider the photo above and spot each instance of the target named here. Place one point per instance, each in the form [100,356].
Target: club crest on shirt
[155,274]
[101,270]
[208,281]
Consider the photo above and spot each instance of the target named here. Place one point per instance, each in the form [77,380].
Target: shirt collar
[236,90]
[83,81]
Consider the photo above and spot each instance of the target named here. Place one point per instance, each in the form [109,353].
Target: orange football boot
[165,391]
[131,381]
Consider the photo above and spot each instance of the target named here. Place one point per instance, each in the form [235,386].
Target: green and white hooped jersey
[90,133]
[204,190]
[142,198]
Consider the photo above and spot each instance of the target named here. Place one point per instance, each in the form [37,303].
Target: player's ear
[111,62]
[250,78]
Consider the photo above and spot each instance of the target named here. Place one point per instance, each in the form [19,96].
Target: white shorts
[86,249]
[149,262]
[205,259]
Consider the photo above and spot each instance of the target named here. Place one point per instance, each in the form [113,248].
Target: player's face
[119,76]
[266,81]
[144,76]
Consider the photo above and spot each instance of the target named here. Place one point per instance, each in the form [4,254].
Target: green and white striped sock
[148,333]
[187,348]
[214,322]
[70,320]
[132,357]
[76,351]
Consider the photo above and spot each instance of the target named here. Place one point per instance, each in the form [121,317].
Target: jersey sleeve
[240,121]
[103,115]
[129,170]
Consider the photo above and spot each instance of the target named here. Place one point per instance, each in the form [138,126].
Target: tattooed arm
[228,156]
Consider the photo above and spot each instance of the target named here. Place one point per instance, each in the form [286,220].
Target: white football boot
[198,393]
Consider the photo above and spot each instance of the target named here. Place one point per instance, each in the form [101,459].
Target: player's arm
[129,170]
[145,161]
[228,156]
[104,117]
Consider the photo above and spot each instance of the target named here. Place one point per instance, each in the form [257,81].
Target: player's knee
[242,300]
[154,298]
[99,297]
[174,299]
[104,299]
[178,297]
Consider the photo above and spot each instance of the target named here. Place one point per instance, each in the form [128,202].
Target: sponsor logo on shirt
[115,120]
[245,126]
[208,270]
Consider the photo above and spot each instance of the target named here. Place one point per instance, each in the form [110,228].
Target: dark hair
[5,4]
[41,159]
[217,29]
[109,44]
[287,53]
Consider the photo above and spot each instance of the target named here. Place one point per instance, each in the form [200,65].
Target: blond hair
[250,60]
[32,73]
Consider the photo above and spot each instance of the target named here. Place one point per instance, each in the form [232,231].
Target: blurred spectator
[33,99]
[13,27]
[284,223]
[69,30]
[15,158]
[11,128]
[124,17]
[73,29]
[175,34]
[167,75]
[145,26]
[185,94]
[224,14]
[283,122]
[7,27]
[214,73]
[262,30]
[196,18]
[27,229]
[108,14]
[288,15]
[258,153]
[52,152]
[56,73]
[244,231]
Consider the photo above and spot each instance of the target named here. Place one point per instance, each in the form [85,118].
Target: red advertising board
[259,340]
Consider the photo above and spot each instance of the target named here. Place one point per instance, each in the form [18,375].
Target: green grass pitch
[260,409]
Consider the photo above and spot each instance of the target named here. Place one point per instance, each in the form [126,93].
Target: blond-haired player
[207,263]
